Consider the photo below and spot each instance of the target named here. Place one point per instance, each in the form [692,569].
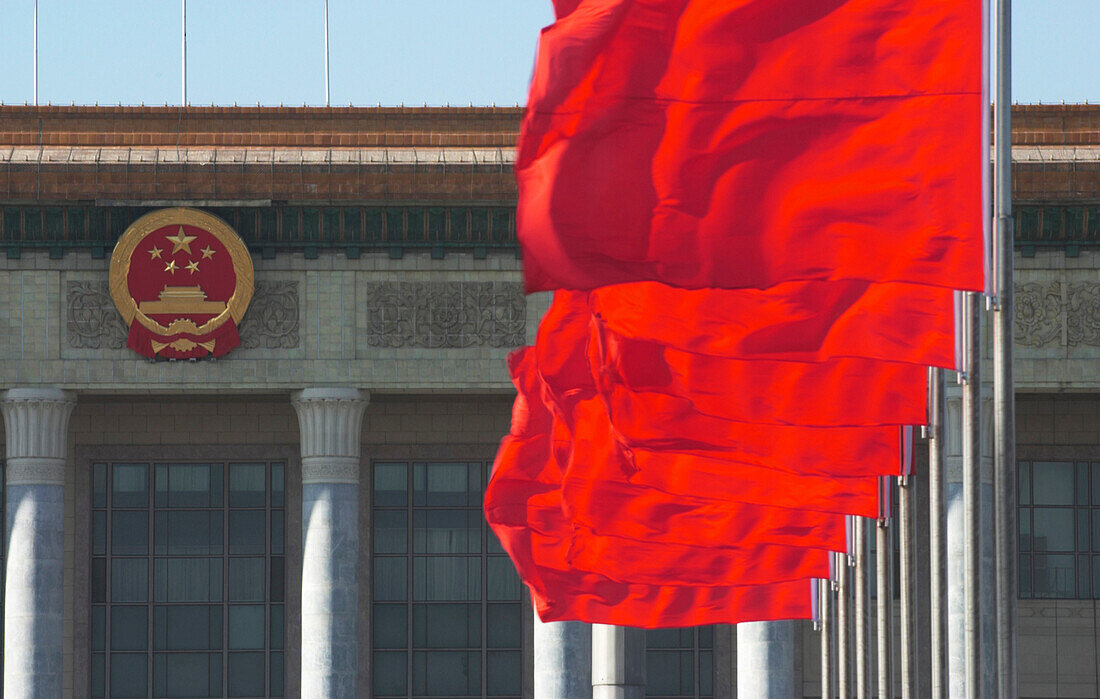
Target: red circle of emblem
[182,280]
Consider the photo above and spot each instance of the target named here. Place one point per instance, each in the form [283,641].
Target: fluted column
[765,659]
[36,424]
[330,420]
[563,659]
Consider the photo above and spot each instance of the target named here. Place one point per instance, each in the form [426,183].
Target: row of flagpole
[837,657]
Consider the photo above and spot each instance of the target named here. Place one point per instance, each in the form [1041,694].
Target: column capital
[330,421]
[36,426]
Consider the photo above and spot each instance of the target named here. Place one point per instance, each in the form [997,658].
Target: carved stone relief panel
[272,318]
[1057,314]
[92,321]
[446,314]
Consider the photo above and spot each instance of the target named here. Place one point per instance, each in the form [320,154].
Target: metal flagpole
[326,54]
[826,590]
[36,53]
[937,532]
[863,607]
[971,476]
[1004,410]
[884,596]
[843,629]
[183,49]
[908,633]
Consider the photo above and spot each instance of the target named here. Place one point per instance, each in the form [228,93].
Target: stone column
[765,659]
[331,421]
[563,659]
[956,553]
[618,662]
[36,424]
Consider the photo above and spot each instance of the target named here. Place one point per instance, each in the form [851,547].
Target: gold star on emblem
[181,242]
[154,254]
[170,267]
[193,266]
[207,252]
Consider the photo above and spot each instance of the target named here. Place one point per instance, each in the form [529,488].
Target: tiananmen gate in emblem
[182,280]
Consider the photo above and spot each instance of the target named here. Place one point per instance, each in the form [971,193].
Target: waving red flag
[745,144]
[798,321]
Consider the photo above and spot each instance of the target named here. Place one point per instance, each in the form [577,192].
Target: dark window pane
[1025,576]
[246,532]
[277,531]
[390,581]
[1024,521]
[99,533]
[390,485]
[446,531]
[1054,576]
[99,628]
[1096,483]
[278,489]
[247,485]
[1083,529]
[1081,491]
[99,579]
[1053,482]
[277,675]
[503,582]
[99,675]
[706,673]
[194,485]
[188,579]
[446,626]
[706,636]
[130,580]
[187,675]
[390,626]
[390,674]
[129,534]
[130,487]
[246,674]
[246,627]
[129,629]
[246,579]
[278,579]
[160,499]
[128,675]
[1053,529]
[99,485]
[663,672]
[1024,493]
[443,673]
[276,634]
[187,628]
[446,579]
[504,672]
[441,485]
[503,625]
[664,638]
[1084,586]
[390,531]
[188,532]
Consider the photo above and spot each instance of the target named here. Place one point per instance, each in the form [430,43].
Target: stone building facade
[175,528]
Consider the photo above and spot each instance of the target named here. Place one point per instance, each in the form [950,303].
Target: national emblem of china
[182,279]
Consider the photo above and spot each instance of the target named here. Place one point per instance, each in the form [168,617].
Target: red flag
[746,144]
[799,321]
[845,391]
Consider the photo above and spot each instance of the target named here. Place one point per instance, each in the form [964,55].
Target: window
[188,579]
[447,608]
[1059,523]
[680,663]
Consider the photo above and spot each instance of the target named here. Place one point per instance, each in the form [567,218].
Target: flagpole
[971,476]
[36,53]
[937,534]
[1004,411]
[183,51]
[843,629]
[884,597]
[326,54]
[863,604]
[908,628]
[826,591]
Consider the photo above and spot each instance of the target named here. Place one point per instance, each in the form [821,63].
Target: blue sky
[389,51]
